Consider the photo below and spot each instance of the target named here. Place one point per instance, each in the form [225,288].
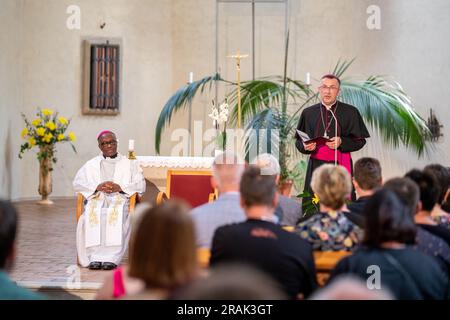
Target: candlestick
[131,145]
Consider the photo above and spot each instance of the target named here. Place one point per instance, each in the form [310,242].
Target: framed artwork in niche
[102,73]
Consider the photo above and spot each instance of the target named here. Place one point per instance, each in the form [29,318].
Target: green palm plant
[276,102]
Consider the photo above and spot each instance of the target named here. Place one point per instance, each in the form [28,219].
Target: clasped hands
[333,144]
[109,187]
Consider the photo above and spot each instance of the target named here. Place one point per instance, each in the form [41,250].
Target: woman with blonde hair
[329,229]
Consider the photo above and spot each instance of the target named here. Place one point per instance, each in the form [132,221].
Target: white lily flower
[214,114]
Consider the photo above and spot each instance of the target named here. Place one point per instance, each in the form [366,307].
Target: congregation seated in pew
[386,259]
[262,243]
[408,193]
[413,262]
[429,193]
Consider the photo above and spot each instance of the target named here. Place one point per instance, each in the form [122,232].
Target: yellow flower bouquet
[44,131]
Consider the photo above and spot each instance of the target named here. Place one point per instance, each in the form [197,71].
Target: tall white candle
[191,77]
[308,78]
[131,145]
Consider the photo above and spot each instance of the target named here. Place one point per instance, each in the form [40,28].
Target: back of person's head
[268,163]
[163,252]
[428,186]
[446,203]
[332,184]
[347,287]
[387,219]
[8,229]
[257,189]
[140,210]
[367,173]
[406,190]
[227,170]
[442,175]
[233,282]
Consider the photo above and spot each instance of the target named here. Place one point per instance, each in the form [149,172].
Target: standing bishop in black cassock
[339,123]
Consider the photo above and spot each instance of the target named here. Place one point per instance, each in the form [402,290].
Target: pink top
[118,285]
[326,154]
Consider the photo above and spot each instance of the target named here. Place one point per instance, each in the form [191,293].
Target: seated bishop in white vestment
[106,182]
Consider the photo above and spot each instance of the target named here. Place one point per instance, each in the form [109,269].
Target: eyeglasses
[111,143]
[331,88]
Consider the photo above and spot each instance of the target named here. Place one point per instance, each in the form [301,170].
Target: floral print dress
[442,220]
[330,231]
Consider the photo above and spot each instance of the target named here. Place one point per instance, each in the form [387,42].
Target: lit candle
[308,78]
[191,77]
[131,145]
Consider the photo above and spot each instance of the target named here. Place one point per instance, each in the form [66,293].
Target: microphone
[335,135]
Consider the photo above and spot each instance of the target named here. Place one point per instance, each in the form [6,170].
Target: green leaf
[388,110]
[180,100]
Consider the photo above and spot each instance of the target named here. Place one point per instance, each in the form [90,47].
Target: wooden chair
[81,201]
[194,187]
[325,262]
[289,228]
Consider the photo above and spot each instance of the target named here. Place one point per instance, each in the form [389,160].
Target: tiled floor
[46,251]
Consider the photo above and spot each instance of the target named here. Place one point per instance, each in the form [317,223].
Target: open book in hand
[307,140]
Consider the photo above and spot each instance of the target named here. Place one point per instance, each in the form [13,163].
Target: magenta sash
[326,154]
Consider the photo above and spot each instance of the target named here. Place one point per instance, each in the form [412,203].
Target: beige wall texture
[51,57]
[11,95]
[164,40]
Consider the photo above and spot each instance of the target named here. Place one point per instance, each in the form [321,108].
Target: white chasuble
[104,227]
[92,221]
[114,218]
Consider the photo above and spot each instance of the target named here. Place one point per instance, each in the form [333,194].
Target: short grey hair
[228,168]
[268,164]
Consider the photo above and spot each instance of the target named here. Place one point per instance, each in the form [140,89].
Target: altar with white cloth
[155,167]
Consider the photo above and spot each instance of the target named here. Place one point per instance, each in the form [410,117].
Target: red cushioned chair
[194,187]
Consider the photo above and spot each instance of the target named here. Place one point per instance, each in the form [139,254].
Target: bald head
[227,172]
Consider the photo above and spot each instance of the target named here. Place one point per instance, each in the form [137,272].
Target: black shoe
[95,265]
[108,266]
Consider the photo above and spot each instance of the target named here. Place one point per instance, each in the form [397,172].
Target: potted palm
[276,102]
